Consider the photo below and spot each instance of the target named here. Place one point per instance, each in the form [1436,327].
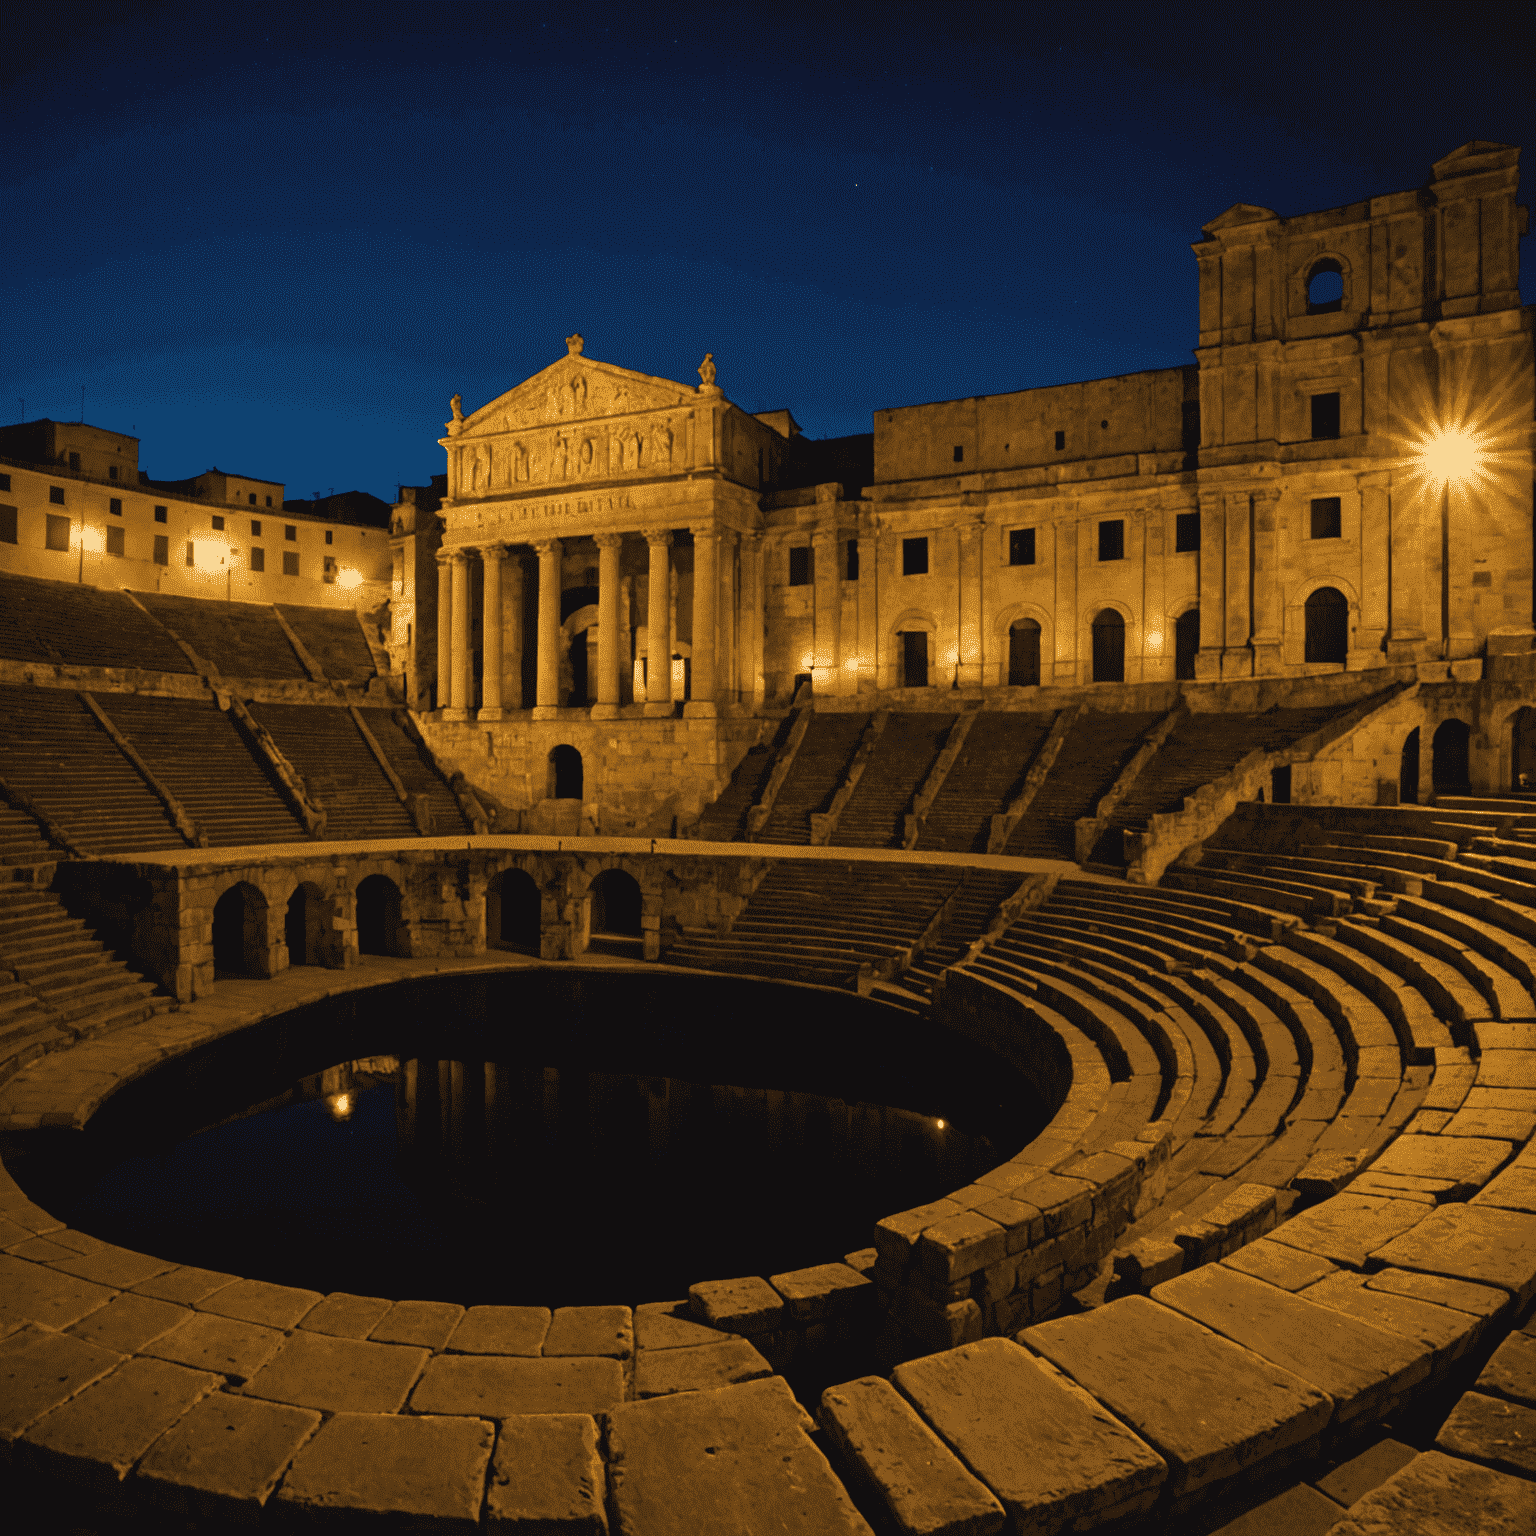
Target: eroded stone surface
[430,1468]
[1356,1477]
[496,1386]
[259,1301]
[699,1369]
[1347,1229]
[345,1316]
[1471,1242]
[1493,1431]
[1292,1269]
[815,1294]
[1050,1453]
[1466,1162]
[668,1325]
[1480,1300]
[500,1331]
[1210,1407]
[591,1331]
[316,1370]
[716,1461]
[37,1294]
[40,1369]
[1440,1495]
[129,1322]
[547,1476]
[185,1284]
[747,1305]
[206,1342]
[920,1480]
[429,1324]
[1511,1370]
[1448,1333]
[1512,1190]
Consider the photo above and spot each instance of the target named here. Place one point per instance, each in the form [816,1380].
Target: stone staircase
[903,754]
[988,772]
[820,766]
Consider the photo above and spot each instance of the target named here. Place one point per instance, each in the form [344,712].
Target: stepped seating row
[981,892]
[819,767]
[20,841]
[903,756]
[334,638]
[240,639]
[725,819]
[416,769]
[988,773]
[81,626]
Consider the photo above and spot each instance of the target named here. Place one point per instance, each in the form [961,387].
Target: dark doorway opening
[239,932]
[914,658]
[513,918]
[1108,647]
[565,773]
[1408,774]
[1186,644]
[1327,618]
[1024,654]
[1449,764]
[378,916]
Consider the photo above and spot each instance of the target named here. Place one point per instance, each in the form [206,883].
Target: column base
[605,712]
[546,712]
[660,709]
[453,716]
[699,709]
[487,716]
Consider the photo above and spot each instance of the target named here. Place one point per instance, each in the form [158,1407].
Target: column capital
[543,547]
[443,556]
[1268,493]
[493,551]
[658,537]
[703,530]
[608,540]
[969,528]
[458,556]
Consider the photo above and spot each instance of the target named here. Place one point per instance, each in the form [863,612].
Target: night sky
[279,242]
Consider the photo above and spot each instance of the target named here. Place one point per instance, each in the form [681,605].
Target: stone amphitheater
[1266,963]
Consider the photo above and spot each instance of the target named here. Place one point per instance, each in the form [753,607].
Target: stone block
[1512,1190]
[1507,1069]
[1064,1202]
[1511,1372]
[863,1261]
[1148,1262]
[1353,1479]
[1160,1373]
[1291,1269]
[34,1293]
[1051,1454]
[92,1441]
[1298,1511]
[591,1331]
[500,1331]
[922,1484]
[1348,1228]
[1403,1186]
[939,1326]
[1516,1125]
[701,1368]
[220,1463]
[41,1369]
[206,1342]
[547,1476]
[897,1235]
[715,1461]
[1480,1300]
[1023,1222]
[345,1316]
[498,1386]
[1448,1333]
[117,1267]
[429,1324]
[1326,1173]
[423,1473]
[747,1305]
[339,1375]
[822,1291]
[1467,1162]
[1471,1242]
[1493,1431]
[129,1322]
[258,1301]
[185,1284]
[960,1245]
[1361,1367]
[1444,1495]
[667,1325]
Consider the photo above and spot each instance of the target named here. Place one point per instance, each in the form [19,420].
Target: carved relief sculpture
[661,444]
[578,392]
[561,458]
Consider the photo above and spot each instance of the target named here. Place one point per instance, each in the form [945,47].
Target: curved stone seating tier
[239,639]
[818,769]
[334,638]
[62,621]
[904,754]
[416,770]
[988,772]
[57,753]
[981,893]
[20,841]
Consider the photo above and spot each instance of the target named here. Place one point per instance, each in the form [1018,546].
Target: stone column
[491,556]
[548,551]
[658,625]
[706,583]
[827,594]
[1375,564]
[969,648]
[1213,588]
[444,631]
[1268,615]
[750,654]
[511,636]
[458,559]
[607,705]
[1237,658]
[1407,512]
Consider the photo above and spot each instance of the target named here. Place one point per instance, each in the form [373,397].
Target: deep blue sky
[279,242]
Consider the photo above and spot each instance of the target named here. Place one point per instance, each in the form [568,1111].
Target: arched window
[616,904]
[1325,287]
[1448,763]
[579,670]
[240,932]
[1023,654]
[565,777]
[1186,643]
[1408,772]
[1108,647]
[513,912]
[378,917]
[1327,617]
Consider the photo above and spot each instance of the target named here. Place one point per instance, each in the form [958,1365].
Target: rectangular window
[57,536]
[255,529]
[1112,539]
[116,506]
[1061,441]
[290,562]
[5,482]
[291,533]
[258,559]
[191,553]
[162,550]
[1326,520]
[329,572]
[327,535]
[959,454]
[269,501]
[1186,532]
[112,471]
[1021,546]
[7,525]
[914,557]
[114,541]
[74,462]
[159,514]
[56,495]
[852,567]
[800,565]
[1325,415]
[218,523]
[253,498]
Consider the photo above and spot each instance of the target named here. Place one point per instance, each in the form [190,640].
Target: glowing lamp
[340,1106]
[1450,456]
[1154,639]
[349,578]
[940,1124]
[93,540]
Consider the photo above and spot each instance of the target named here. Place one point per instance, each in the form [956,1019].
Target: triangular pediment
[1477,155]
[1238,214]
[575,388]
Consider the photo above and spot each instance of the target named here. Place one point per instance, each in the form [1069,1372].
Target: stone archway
[309,929]
[1449,763]
[514,912]
[380,929]
[240,932]
[1408,772]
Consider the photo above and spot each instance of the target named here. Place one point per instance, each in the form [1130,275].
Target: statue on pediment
[456,405]
[574,344]
[707,369]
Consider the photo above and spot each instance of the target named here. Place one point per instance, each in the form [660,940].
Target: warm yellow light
[807,662]
[93,539]
[1154,639]
[340,1105]
[208,553]
[940,1124]
[1451,456]
[349,578]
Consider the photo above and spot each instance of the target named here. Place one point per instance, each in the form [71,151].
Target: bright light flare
[349,578]
[340,1106]
[1452,455]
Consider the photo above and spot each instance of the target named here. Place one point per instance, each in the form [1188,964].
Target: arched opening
[306,926]
[1448,761]
[1186,644]
[1327,617]
[914,658]
[565,776]
[1408,773]
[378,917]
[1108,647]
[513,912]
[616,905]
[1325,287]
[240,932]
[579,670]
[1522,766]
[1023,654]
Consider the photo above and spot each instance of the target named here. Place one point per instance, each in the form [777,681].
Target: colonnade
[501,685]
